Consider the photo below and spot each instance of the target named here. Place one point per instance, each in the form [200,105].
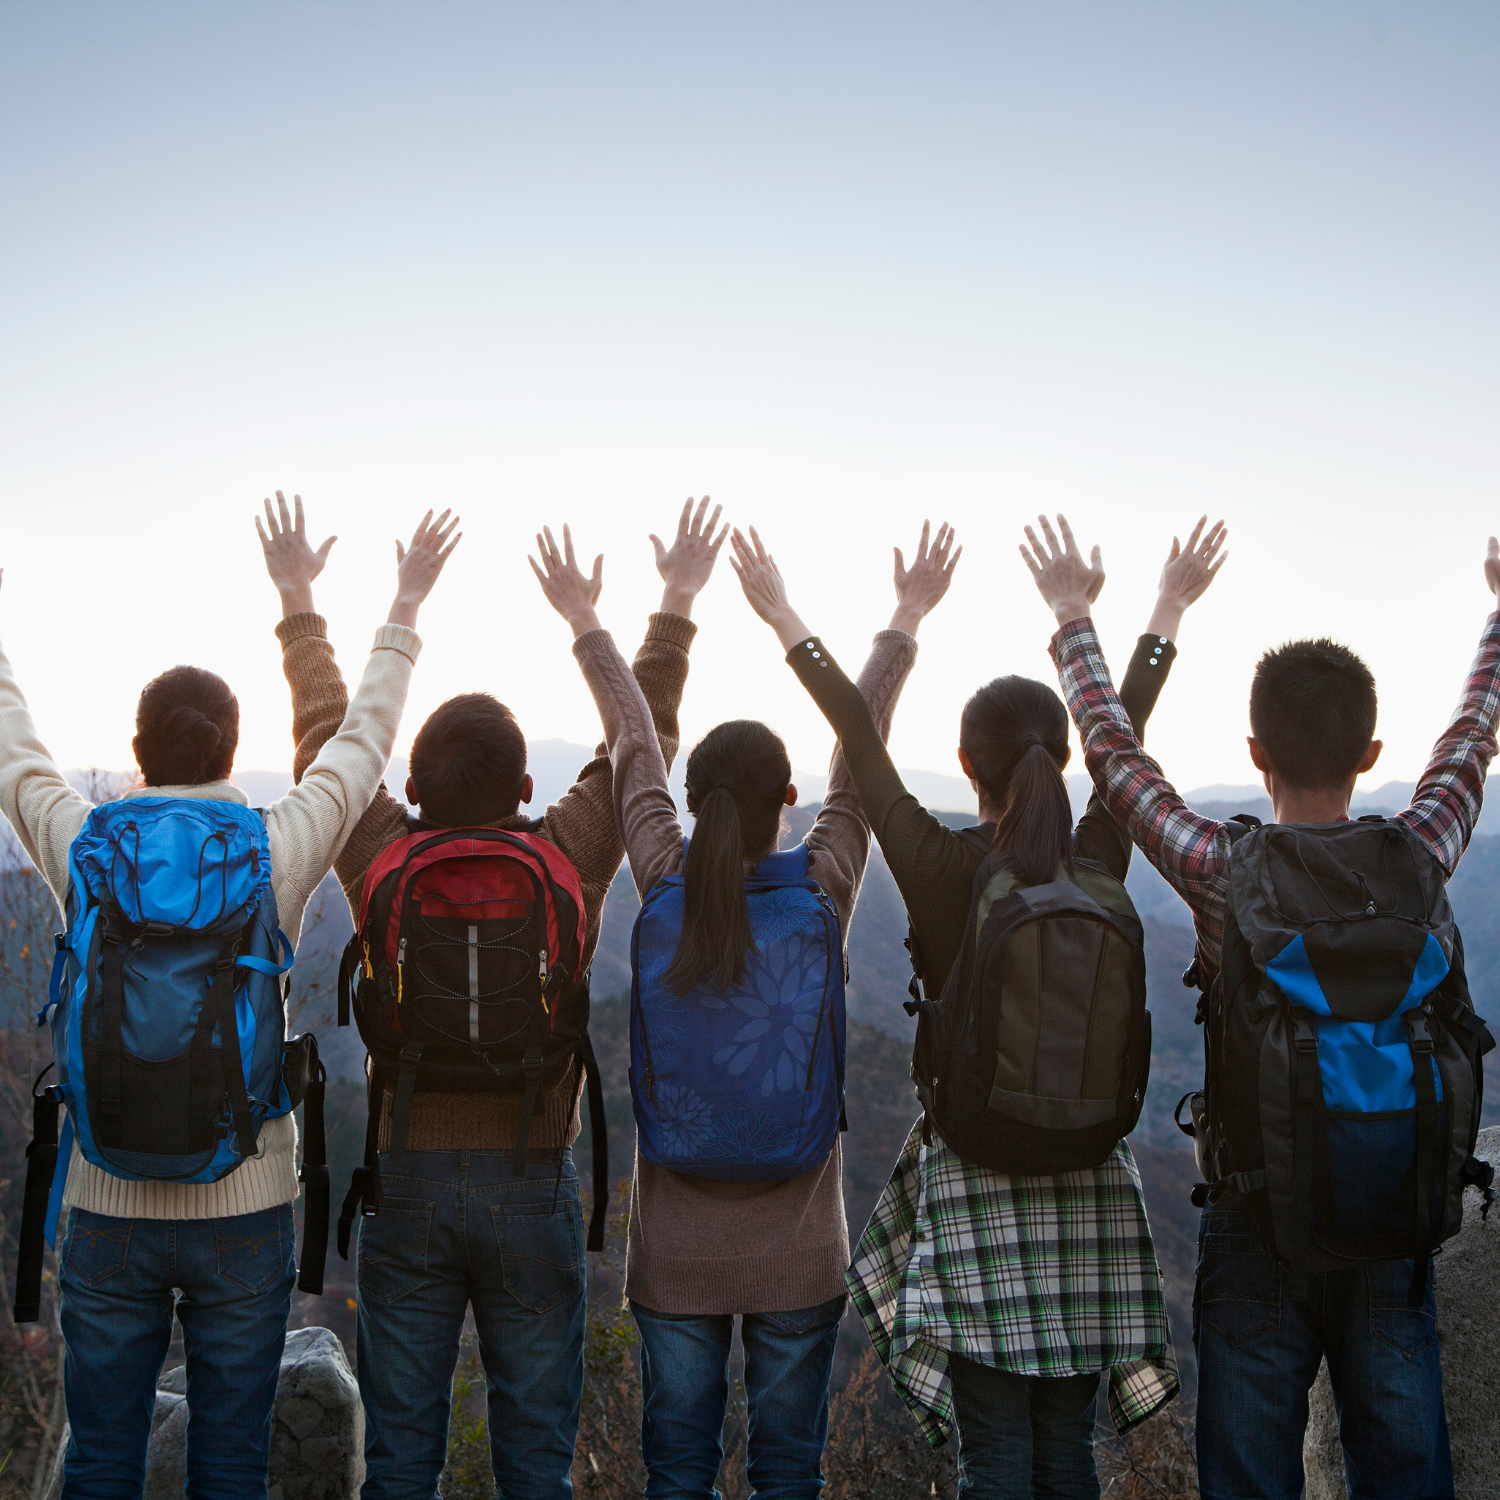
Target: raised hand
[1186,575]
[1492,566]
[290,558]
[689,563]
[418,566]
[571,592]
[765,589]
[920,588]
[1068,583]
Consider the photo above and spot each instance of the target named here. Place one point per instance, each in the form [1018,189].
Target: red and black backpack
[465,975]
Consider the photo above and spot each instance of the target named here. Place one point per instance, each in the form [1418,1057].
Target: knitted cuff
[398,638]
[300,627]
[673,628]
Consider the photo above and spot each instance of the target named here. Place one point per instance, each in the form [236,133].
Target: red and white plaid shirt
[1192,852]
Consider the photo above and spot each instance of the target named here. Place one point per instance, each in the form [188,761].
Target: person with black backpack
[1009,1261]
[177,1158]
[1344,1077]
[468,977]
[737,1065]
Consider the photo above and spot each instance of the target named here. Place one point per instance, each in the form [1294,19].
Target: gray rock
[317,1428]
[1468,1320]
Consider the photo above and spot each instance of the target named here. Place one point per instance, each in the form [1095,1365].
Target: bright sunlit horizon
[841,268]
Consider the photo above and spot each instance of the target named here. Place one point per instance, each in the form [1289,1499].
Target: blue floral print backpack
[745,1084]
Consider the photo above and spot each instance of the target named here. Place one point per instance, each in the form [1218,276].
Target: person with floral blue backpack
[736,1061]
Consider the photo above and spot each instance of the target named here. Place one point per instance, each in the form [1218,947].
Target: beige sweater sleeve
[310,825]
[37,802]
[319,701]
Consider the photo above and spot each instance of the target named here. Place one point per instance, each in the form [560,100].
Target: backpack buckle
[1421,1038]
[1304,1033]
[531,1065]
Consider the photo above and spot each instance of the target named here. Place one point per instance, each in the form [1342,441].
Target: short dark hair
[468,762]
[1312,707]
[187,726]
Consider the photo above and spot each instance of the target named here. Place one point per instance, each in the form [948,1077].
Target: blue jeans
[1258,1355]
[685,1390]
[457,1228]
[235,1279]
[1023,1435]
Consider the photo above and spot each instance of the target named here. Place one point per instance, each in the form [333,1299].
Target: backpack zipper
[400,964]
[542,974]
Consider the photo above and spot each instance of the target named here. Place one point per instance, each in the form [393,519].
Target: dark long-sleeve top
[933,867]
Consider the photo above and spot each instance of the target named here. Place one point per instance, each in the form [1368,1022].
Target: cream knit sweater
[306,830]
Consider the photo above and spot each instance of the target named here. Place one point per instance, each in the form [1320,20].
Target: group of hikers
[1008,1270]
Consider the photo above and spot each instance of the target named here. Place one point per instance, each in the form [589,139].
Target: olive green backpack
[1034,1059]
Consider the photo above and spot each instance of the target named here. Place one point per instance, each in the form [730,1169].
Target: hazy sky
[839,266]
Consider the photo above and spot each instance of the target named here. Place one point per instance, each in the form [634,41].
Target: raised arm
[320,697]
[583,822]
[917,847]
[1192,852]
[313,822]
[35,798]
[1185,577]
[1448,798]
[643,806]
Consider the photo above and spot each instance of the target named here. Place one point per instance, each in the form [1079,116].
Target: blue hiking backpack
[747,1084]
[167,1012]
[1345,1077]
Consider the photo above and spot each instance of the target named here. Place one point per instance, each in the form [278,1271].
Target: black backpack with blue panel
[1345,1079]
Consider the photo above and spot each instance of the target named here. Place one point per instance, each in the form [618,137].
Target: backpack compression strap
[599,1136]
[363,1196]
[313,1174]
[41,1164]
[1422,1047]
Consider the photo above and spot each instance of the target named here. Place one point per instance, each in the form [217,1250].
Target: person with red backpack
[475,927]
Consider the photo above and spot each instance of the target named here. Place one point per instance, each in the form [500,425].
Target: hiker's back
[1344,1080]
[744,1084]
[1034,1059]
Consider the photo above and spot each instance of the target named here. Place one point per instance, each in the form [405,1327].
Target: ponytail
[737,778]
[1015,733]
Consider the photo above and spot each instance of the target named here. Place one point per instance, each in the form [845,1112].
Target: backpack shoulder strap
[974,836]
[1195,976]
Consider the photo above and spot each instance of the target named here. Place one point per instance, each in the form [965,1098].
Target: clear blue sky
[840,266]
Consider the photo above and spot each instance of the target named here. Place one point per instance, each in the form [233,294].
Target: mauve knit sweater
[699,1247]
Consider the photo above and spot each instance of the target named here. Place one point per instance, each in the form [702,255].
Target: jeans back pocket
[97,1246]
[540,1247]
[393,1249]
[253,1249]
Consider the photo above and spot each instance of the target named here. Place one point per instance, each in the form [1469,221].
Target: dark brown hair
[737,778]
[1313,707]
[1015,732]
[468,762]
[187,725]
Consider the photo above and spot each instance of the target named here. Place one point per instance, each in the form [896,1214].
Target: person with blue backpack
[1344,1060]
[737,1064]
[176,1163]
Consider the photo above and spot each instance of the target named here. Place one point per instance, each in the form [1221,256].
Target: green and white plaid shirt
[1035,1275]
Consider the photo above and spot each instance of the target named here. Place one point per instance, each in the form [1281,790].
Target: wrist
[582,621]
[1065,611]
[404,612]
[296,599]
[906,619]
[790,630]
[676,600]
[1166,618]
